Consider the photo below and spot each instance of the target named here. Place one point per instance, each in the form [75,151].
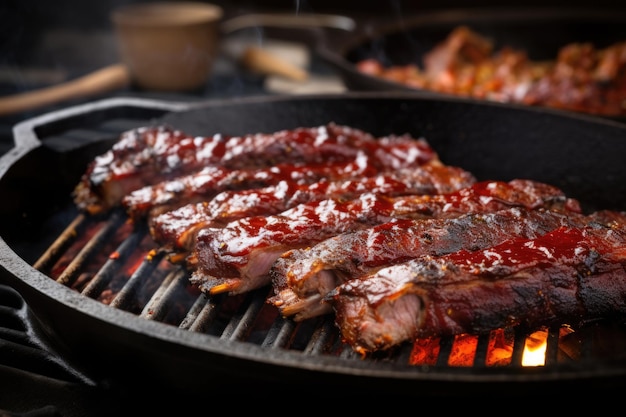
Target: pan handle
[26,133]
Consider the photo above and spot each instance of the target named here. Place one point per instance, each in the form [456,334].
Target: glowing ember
[535,349]
[499,350]
[463,350]
[500,347]
[425,351]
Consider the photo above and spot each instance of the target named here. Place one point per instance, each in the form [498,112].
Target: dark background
[24,22]
[44,42]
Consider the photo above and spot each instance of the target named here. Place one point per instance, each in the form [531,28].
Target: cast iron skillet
[580,154]
[539,31]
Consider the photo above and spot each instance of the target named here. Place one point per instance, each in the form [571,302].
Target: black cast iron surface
[582,155]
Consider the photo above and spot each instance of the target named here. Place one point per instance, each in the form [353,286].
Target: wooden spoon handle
[265,62]
[104,80]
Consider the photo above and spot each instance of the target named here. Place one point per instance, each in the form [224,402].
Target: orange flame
[535,349]
[499,350]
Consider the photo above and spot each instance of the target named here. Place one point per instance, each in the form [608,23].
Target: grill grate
[114,260]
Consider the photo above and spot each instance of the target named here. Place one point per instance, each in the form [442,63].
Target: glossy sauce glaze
[174,228]
[569,275]
[148,155]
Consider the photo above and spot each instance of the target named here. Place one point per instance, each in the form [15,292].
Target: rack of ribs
[149,155]
[375,229]
[569,275]
[239,256]
[176,229]
[152,200]
[302,278]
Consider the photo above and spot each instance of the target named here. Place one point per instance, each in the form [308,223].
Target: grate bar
[586,345]
[552,347]
[241,324]
[124,298]
[480,356]
[280,333]
[112,265]
[195,316]
[63,241]
[348,353]
[157,307]
[518,346]
[445,348]
[206,317]
[321,337]
[70,274]
[404,353]
[207,314]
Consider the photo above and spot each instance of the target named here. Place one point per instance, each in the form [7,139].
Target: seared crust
[569,275]
[149,155]
[176,229]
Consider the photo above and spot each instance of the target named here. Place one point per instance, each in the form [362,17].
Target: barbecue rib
[155,199]
[377,230]
[569,275]
[176,229]
[152,200]
[149,155]
[609,217]
[302,278]
[238,257]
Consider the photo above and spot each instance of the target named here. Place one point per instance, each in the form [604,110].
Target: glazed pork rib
[149,155]
[301,277]
[238,257]
[152,200]
[301,285]
[176,229]
[164,196]
[569,275]
[139,157]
